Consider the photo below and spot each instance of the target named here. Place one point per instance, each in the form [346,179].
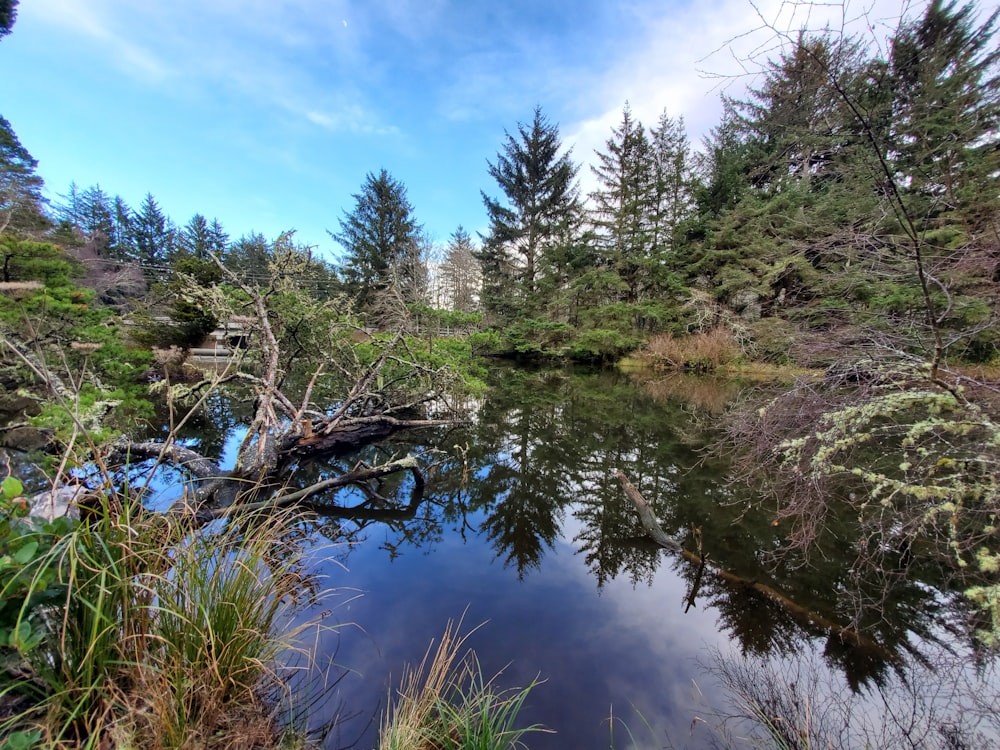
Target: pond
[525,536]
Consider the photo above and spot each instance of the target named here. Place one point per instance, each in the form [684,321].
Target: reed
[158,638]
[705,351]
[446,703]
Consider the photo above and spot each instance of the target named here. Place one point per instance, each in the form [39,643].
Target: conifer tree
[460,270]
[671,184]
[97,222]
[623,203]
[530,226]
[20,187]
[8,14]
[946,115]
[382,242]
[198,238]
[153,235]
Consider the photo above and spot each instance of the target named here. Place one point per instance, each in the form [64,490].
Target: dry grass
[699,352]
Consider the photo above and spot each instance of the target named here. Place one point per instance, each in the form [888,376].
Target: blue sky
[267,114]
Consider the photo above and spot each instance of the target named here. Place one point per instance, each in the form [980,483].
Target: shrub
[698,352]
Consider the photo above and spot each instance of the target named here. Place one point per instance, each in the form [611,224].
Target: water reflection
[523,522]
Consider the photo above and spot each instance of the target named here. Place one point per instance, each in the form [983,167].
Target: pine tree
[124,248]
[382,242]
[528,228]
[8,14]
[622,205]
[249,256]
[199,238]
[671,189]
[97,221]
[947,113]
[153,236]
[218,239]
[460,270]
[20,188]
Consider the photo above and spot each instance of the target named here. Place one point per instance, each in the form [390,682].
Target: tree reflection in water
[536,468]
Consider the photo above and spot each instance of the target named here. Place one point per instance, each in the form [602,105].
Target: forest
[837,236]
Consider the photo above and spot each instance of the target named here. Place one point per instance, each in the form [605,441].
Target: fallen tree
[387,390]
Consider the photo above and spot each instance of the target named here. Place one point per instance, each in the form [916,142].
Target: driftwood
[804,615]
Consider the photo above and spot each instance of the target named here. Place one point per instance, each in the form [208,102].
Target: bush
[600,345]
[698,352]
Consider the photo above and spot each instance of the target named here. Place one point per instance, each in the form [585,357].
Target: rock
[25,439]
[14,406]
[62,501]
[746,302]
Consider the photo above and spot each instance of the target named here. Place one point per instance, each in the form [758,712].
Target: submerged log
[349,435]
[656,533]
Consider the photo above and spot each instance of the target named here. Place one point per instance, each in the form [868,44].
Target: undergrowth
[126,630]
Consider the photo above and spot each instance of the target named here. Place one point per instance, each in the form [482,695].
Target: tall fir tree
[97,219]
[671,197]
[529,228]
[8,14]
[198,238]
[382,242]
[946,118]
[153,236]
[20,187]
[460,270]
[124,248]
[622,204]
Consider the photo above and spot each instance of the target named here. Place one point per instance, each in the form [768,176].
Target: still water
[524,535]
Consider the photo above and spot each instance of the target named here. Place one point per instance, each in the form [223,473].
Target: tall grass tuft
[160,637]
[446,703]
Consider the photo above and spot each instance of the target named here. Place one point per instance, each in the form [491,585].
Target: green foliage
[381,240]
[25,260]
[25,596]
[601,345]
[535,224]
[126,622]
[446,702]
[20,187]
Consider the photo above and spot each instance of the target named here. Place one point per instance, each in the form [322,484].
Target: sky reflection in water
[526,531]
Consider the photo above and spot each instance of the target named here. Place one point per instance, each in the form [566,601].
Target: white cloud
[689,56]
[93,19]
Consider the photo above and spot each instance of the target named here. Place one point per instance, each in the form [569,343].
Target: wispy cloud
[95,20]
[688,56]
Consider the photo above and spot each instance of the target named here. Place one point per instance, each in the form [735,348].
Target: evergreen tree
[622,205]
[124,248]
[20,188]
[671,184]
[947,113]
[97,221]
[382,242]
[199,238]
[528,228]
[153,236]
[249,256]
[460,270]
[218,239]
[70,207]
[8,14]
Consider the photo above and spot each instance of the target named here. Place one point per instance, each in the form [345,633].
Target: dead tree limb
[655,532]
[353,477]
